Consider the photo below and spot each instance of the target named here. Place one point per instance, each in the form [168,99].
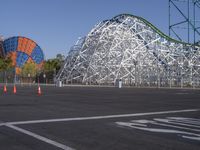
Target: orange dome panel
[40,66]
[30,60]
[20,40]
[23,50]
[18,70]
[30,46]
[13,56]
[25,45]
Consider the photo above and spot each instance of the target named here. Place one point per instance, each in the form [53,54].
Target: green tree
[52,66]
[5,65]
[1,64]
[29,69]
[60,57]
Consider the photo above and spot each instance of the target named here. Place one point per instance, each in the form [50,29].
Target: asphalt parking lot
[99,118]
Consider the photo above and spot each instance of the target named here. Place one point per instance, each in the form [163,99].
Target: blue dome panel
[22,50]
[10,45]
[37,55]
[21,59]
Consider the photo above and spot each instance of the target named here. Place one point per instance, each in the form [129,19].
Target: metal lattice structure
[185,20]
[130,48]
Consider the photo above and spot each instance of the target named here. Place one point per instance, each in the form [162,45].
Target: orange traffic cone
[14,89]
[4,89]
[39,91]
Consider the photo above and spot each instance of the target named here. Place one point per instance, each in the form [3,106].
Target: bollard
[14,89]
[4,89]
[39,91]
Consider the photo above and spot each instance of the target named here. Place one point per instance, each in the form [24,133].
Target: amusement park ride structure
[131,49]
[184,18]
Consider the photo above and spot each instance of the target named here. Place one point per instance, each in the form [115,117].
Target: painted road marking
[183,93]
[39,137]
[174,123]
[64,147]
[190,121]
[166,125]
[2,124]
[191,138]
[102,117]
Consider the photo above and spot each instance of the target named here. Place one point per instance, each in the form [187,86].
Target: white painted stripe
[185,124]
[41,138]
[192,138]
[158,130]
[187,121]
[179,122]
[101,117]
[2,124]
[184,118]
[173,126]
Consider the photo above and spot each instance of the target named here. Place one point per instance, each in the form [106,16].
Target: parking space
[100,118]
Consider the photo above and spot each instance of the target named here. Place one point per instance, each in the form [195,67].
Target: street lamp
[44,76]
[29,75]
[54,76]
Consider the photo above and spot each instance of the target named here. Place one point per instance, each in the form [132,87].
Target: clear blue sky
[56,24]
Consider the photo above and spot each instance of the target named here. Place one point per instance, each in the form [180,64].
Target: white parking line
[2,124]
[193,138]
[41,138]
[186,120]
[173,126]
[101,117]
[64,147]
[177,123]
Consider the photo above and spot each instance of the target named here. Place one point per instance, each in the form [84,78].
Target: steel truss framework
[187,11]
[130,48]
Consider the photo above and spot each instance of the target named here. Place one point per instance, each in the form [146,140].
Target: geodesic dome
[22,50]
[1,46]
[130,48]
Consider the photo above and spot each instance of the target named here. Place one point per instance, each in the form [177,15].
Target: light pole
[29,77]
[54,76]
[44,76]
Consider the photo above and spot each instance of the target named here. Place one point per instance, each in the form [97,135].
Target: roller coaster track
[155,29]
[130,48]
